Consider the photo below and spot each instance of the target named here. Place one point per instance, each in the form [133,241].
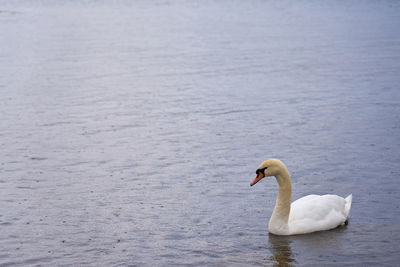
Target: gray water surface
[131,130]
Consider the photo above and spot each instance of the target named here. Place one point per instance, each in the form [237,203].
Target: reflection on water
[281,253]
[321,244]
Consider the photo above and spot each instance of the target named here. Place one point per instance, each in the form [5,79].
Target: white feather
[317,213]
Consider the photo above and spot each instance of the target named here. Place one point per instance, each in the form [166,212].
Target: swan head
[270,167]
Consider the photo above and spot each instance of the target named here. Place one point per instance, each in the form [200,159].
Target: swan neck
[282,206]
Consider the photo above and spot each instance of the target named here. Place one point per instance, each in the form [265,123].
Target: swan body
[306,215]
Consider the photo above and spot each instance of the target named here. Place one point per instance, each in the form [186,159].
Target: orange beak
[257,179]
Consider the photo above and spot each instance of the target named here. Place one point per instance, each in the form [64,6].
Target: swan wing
[316,213]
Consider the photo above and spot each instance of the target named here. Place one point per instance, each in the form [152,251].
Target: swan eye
[261,170]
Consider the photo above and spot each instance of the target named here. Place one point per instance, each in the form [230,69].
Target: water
[131,130]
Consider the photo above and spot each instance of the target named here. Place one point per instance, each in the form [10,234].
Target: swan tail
[347,206]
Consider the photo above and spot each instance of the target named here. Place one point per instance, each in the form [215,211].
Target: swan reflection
[281,251]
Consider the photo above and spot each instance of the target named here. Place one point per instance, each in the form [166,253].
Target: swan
[306,215]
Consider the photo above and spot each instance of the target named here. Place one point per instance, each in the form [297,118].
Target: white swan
[306,215]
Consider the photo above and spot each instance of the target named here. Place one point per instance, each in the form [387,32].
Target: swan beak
[257,179]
